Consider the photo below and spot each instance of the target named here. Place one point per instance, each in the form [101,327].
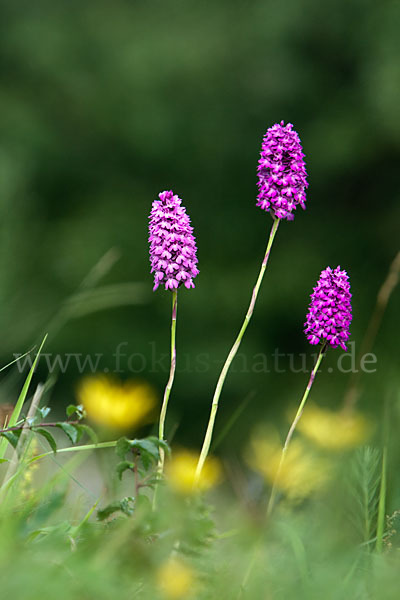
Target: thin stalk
[167,392]
[168,387]
[21,399]
[367,521]
[136,476]
[381,506]
[23,441]
[25,427]
[73,532]
[83,448]
[16,359]
[232,354]
[293,427]
[380,526]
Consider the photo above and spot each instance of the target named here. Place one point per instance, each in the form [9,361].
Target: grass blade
[382,503]
[20,402]
[16,360]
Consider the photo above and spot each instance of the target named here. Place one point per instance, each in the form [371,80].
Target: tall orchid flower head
[172,244]
[282,176]
[329,313]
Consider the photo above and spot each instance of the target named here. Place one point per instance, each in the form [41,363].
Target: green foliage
[73,430]
[104,104]
[78,410]
[126,506]
[65,138]
[84,428]
[11,436]
[47,435]
[147,449]
[363,485]
[124,466]
[20,402]
[70,430]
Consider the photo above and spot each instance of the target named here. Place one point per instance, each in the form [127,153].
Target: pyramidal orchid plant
[282,176]
[173,258]
[327,324]
[282,183]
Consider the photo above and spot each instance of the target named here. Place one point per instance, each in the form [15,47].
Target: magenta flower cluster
[172,244]
[282,176]
[329,314]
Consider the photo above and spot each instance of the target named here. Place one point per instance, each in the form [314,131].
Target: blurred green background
[104,104]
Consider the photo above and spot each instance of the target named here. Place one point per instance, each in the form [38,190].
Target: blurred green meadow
[102,106]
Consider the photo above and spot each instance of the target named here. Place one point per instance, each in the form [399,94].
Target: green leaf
[78,410]
[159,443]
[79,432]
[123,466]
[46,434]
[126,506]
[11,437]
[148,449]
[64,528]
[123,447]
[21,399]
[147,446]
[71,410]
[108,510]
[69,430]
[147,460]
[89,431]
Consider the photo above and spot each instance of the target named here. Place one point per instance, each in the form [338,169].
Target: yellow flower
[302,472]
[181,470]
[175,579]
[334,430]
[115,404]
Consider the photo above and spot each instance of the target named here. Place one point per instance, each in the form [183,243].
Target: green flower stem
[293,427]
[167,391]
[84,448]
[232,354]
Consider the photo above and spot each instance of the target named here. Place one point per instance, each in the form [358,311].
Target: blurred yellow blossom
[175,579]
[181,470]
[334,430]
[115,404]
[302,472]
